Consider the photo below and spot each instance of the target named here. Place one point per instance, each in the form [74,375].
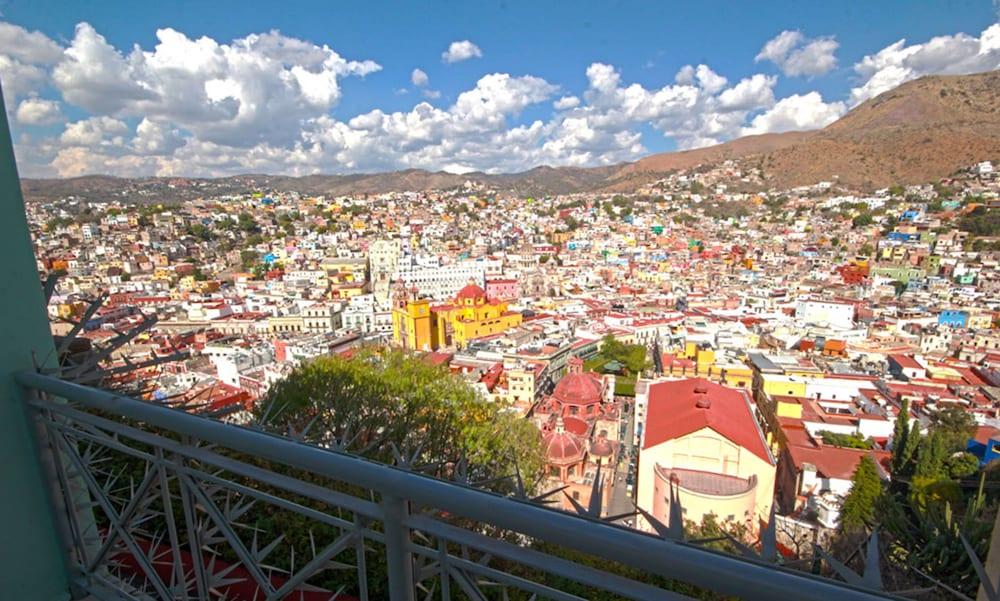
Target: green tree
[866,249]
[386,400]
[850,441]
[981,222]
[862,220]
[858,510]
[962,465]
[900,434]
[248,258]
[956,427]
[910,450]
[246,223]
[632,356]
[57,222]
[931,456]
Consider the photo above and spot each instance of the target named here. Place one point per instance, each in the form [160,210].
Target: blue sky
[636,102]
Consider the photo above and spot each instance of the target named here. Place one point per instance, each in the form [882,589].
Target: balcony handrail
[706,568]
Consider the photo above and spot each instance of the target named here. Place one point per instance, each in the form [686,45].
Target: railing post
[395,512]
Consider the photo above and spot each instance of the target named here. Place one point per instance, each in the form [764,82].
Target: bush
[850,441]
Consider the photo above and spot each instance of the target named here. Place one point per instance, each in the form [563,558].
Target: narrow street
[621,498]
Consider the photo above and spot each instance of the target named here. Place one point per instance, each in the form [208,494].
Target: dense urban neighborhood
[746,348]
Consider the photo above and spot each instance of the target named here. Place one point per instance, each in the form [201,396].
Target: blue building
[985,446]
[903,236]
[953,318]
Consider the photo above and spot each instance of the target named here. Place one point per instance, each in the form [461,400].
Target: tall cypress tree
[900,433]
[912,442]
[931,456]
[858,509]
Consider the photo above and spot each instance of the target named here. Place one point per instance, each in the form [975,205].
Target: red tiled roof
[575,425]
[561,446]
[471,291]
[905,362]
[579,389]
[830,461]
[677,408]
[985,433]
[438,358]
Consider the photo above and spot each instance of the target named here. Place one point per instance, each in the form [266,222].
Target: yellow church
[418,325]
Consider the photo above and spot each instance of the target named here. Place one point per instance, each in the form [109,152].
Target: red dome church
[575,421]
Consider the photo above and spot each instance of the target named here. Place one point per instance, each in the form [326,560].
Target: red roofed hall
[703,449]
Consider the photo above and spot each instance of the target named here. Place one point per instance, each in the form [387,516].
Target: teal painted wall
[31,562]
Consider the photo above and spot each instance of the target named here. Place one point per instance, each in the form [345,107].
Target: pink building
[501,289]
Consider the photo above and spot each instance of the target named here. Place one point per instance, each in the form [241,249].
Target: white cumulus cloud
[750,93]
[795,54]
[419,78]
[265,103]
[797,112]
[95,131]
[258,88]
[38,111]
[948,54]
[461,51]
[566,102]
[25,57]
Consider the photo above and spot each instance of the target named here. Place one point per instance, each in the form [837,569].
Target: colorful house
[985,445]
[703,450]
[953,318]
[418,325]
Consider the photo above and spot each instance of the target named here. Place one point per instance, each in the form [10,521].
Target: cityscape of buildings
[772,324]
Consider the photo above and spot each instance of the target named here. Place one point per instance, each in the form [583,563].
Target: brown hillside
[923,130]
[734,149]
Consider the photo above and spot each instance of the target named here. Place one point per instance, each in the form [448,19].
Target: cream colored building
[703,449]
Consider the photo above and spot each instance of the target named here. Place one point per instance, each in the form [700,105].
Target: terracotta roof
[985,433]
[437,357]
[905,362]
[681,407]
[471,291]
[579,389]
[602,447]
[561,446]
[575,425]
[830,461]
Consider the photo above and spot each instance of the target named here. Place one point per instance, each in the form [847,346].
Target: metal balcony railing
[153,502]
